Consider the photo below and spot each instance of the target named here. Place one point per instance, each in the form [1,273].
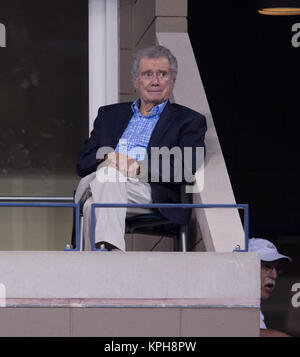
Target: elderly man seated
[117,161]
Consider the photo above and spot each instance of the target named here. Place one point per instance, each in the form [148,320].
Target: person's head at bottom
[271,264]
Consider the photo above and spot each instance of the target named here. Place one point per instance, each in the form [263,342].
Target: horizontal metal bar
[35,199]
[37,204]
[172,205]
[169,205]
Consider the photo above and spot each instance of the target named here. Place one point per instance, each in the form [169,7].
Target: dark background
[251,74]
[43,86]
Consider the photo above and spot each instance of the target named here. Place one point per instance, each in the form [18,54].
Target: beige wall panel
[35,228]
[148,39]
[171,7]
[166,244]
[220,322]
[126,85]
[146,243]
[34,322]
[47,228]
[161,24]
[199,247]
[144,15]
[197,239]
[129,242]
[129,322]
[126,24]
[126,322]
[171,24]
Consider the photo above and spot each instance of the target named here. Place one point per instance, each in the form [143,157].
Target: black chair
[155,224]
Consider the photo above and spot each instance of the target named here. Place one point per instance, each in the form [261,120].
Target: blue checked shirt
[136,137]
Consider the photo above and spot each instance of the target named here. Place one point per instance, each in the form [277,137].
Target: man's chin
[266,293]
[157,97]
[156,100]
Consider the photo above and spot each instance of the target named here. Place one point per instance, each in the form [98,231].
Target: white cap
[266,249]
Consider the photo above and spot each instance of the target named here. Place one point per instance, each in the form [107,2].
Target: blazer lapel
[162,125]
[122,122]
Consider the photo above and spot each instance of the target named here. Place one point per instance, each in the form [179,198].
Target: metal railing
[245,207]
[34,201]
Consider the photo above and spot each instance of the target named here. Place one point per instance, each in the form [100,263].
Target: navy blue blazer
[178,126]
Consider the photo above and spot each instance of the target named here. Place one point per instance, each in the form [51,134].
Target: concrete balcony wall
[129,294]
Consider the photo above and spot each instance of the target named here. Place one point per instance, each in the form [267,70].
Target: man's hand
[265,332]
[128,166]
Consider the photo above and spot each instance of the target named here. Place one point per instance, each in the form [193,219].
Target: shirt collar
[157,110]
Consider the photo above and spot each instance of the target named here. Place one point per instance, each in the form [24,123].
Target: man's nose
[273,273]
[155,79]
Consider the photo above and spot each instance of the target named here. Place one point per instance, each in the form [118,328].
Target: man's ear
[134,82]
[173,83]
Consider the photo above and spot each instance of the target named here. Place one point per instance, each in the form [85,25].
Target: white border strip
[103,55]
[206,303]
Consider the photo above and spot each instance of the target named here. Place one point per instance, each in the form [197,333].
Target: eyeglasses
[269,266]
[149,75]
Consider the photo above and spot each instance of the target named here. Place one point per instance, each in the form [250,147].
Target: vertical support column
[103,55]
[112,52]
[2,35]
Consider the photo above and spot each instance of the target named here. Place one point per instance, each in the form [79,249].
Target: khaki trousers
[110,221]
